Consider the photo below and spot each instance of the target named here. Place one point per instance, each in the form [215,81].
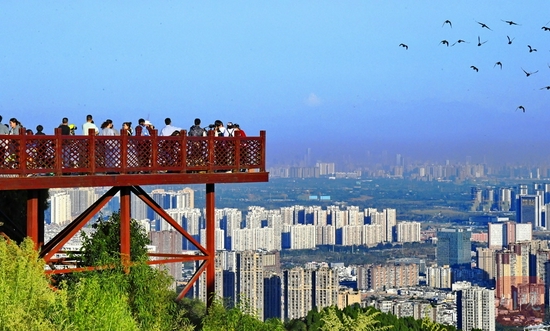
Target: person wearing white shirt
[89,125]
[168,129]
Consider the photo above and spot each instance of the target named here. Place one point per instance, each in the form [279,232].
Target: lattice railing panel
[9,153]
[169,153]
[41,154]
[197,153]
[251,152]
[224,152]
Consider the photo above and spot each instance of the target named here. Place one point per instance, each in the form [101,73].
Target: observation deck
[61,161]
[36,162]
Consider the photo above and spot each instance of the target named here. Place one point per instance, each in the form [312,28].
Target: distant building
[439,277]
[504,233]
[381,277]
[168,242]
[304,289]
[476,309]
[408,232]
[529,210]
[454,247]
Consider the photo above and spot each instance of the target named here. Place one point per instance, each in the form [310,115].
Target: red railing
[57,155]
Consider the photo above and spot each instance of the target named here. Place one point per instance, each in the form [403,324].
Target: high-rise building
[439,277]
[168,242]
[476,309]
[81,199]
[529,210]
[379,277]
[486,262]
[407,232]
[60,207]
[503,234]
[454,247]
[304,289]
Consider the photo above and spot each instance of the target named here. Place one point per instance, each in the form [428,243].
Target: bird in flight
[483,25]
[474,68]
[510,22]
[404,46]
[529,73]
[521,108]
[545,88]
[531,49]
[444,42]
[459,41]
[510,40]
[498,64]
[447,22]
[479,43]
[545,28]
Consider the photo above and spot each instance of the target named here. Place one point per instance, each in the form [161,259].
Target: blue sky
[321,74]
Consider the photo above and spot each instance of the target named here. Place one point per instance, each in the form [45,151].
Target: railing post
[183,150]
[211,154]
[262,151]
[58,168]
[123,151]
[22,152]
[238,141]
[154,149]
[91,151]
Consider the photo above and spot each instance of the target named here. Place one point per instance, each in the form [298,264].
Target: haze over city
[322,75]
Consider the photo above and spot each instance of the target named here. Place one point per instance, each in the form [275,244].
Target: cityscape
[401,162]
[493,263]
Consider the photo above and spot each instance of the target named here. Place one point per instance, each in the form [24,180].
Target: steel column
[125,225]
[32,217]
[210,244]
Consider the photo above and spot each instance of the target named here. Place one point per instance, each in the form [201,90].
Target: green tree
[102,247]
[147,289]
[238,318]
[27,301]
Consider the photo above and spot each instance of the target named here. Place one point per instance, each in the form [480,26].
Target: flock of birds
[481,42]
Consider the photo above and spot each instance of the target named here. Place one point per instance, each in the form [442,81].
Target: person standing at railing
[143,147]
[64,126]
[169,128]
[3,128]
[12,146]
[165,146]
[15,126]
[66,144]
[110,149]
[89,125]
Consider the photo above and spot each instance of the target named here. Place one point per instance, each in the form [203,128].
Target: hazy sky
[320,74]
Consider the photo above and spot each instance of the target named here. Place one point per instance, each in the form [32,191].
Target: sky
[324,75]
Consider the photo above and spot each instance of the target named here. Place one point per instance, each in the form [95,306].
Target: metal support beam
[125,209]
[54,245]
[32,217]
[210,244]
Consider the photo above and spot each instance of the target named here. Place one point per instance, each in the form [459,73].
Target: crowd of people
[144,128]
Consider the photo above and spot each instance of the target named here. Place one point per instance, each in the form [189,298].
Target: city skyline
[327,76]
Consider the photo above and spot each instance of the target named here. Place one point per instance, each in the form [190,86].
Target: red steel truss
[124,163]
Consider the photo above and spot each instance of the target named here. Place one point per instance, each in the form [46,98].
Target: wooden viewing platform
[37,162]
[56,161]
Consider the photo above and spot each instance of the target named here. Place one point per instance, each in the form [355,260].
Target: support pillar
[125,225]
[210,244]
[32,217]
